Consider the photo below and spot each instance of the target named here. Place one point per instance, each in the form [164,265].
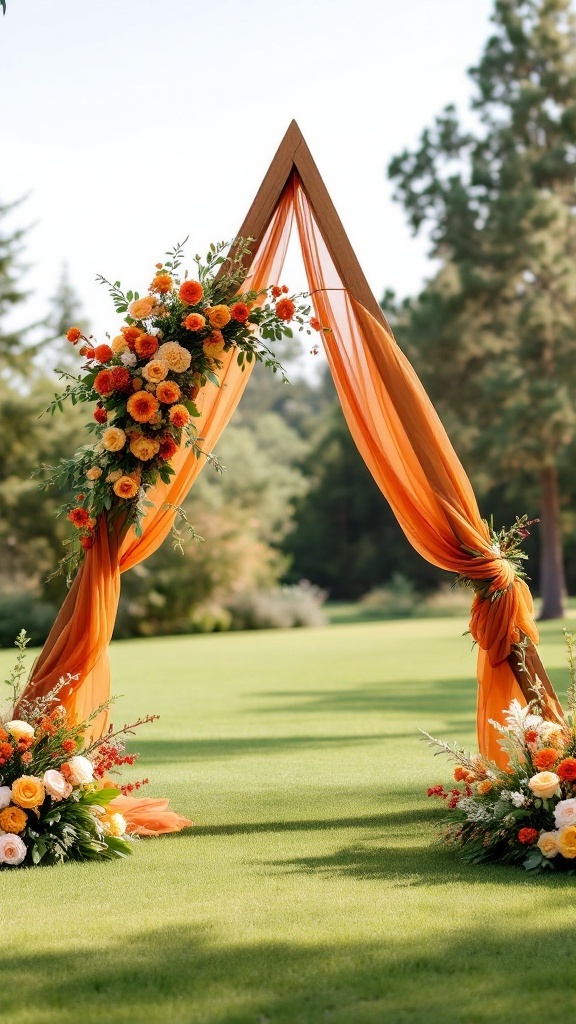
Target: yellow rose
[548,844]
[567,842]
[144,448]
[544,784]
[126,487]
[19,730]
[12,819]
[155,371]
[118,345]
[28,791]
[94,473]
[218,316]
[142,308]
[113,439]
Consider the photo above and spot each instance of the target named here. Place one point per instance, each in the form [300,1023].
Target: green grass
[310,890]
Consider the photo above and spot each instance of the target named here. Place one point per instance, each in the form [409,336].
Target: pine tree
[494,335]
[12,295]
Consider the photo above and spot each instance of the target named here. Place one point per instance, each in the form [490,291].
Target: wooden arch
[294,160]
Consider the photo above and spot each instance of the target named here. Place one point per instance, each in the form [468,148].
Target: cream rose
[19,730]
[5,797]
[565,813]
[155,371]
[12,849]
[55,785]
[113,439]
[81,770]
[545,784]
[548,844]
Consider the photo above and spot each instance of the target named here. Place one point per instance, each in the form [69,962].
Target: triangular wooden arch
[293,158]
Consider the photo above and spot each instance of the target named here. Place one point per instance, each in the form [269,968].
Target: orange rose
[12,819]
[194,322]
[126,487]
[285,309]
[240,312]
[142,406]
[142,308]
[218,316]
[168,392]
[179,415]
[103,383]
[191,292]
[113,439]
[28,791]
[103,353]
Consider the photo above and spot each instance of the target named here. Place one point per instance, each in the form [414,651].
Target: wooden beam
[527,673]
[293,159]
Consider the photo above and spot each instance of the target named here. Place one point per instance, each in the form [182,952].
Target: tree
[12,295]
[495,331]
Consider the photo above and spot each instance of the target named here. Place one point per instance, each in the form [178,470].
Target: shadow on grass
[183,975]
[166,751]
[310,825]
[439,697]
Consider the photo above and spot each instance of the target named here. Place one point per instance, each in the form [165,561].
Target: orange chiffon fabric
[405,447]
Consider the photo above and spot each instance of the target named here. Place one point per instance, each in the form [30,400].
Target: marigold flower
[113,439]
[28,791]
[78,517]
[276,291]
[103,383]
[162,284]
[142,406]
[6,751]
[168,391]
[168,447]
[528,836]
[144,448]
[100,414]
[191,292]
[103,353]
[89,352]
[531,735]
[179,415]
[125,487]
[73,334]
[87,541]
[140,309]
[315,323]
[177,357]
[285,309]
[26,757]
[137,384]
[118,344]
[194,322]
[146,345]
[155,371]
[68,746]
[285,288]
[545,759]
[240,312]
[566,770]
[121,378]
[3,735]
[13,819]
[218,316]
[213,346]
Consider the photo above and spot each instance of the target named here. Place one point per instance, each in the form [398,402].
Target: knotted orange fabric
[405,447]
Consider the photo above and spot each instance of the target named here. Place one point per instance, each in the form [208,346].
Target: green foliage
[492,335]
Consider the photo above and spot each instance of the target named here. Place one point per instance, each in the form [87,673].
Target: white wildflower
[518,799]
[128,358]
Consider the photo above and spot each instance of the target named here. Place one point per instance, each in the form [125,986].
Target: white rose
[12,849]
[55,785]
[19,730]
[565,813]
[5,796]
[81,770]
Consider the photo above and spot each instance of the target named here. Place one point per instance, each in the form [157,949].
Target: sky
[133,123]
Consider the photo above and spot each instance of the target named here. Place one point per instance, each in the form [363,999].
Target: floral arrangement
[524,814]
[56,791]
[146,379]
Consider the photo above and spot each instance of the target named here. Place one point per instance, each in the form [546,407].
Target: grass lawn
[309,891]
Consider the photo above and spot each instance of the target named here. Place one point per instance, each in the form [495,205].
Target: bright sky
[133,123]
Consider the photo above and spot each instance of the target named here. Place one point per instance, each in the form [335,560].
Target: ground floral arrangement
[146,379]
[56,783]
[524,814]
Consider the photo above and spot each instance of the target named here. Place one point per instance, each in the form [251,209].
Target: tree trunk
[552,579]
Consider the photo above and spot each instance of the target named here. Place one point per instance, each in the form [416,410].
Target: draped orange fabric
[405,447]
